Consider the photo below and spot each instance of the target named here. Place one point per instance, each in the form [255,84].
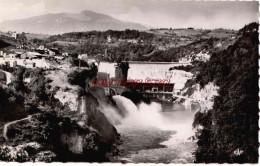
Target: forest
[230,130]
[127,34]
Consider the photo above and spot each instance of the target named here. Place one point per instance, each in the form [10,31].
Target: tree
[22,39]
[232,125]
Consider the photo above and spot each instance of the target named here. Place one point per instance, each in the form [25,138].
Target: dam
[152,79]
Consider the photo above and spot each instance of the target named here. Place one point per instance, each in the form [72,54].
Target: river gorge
[158,96]
[156,131]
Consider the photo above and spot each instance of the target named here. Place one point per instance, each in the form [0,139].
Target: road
[5,128]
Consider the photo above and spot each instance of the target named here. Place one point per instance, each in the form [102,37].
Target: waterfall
[141,116]
[148,116]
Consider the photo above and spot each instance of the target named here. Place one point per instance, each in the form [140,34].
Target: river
[154,132]
[151,134]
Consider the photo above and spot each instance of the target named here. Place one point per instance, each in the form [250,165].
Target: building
[13,56]
[59,57]
[34,63]
[83,56]
[13,34]
[27,59]
[109,39]
[93,62]
[52,53]
[41,47]
[18,51]
[202,56]
[134,41]
[30,64]
[65,54]
[153,79]
[31,55]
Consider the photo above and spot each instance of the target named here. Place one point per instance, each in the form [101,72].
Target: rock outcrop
[62,132]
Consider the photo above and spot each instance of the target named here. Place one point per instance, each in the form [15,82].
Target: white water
[141,116]
[150,120]
[152,116]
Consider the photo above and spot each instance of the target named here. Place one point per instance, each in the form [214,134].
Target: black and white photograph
[129,81]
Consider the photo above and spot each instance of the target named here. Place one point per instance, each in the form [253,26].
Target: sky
[154,13]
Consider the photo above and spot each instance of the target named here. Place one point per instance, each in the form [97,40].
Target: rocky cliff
[56,130]
[229,132]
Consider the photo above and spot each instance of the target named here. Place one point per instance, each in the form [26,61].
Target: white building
[202,56]
[30,55]
[59,57]
[109,39]
[41,47]
[134,41]
[51,52]
[34,63]
[14,35]
[93,61]
[65,54]
[83,56]
[12,56]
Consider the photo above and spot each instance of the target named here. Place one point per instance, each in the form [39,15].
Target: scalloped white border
[152,164]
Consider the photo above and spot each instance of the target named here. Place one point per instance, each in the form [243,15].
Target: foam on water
[145,117]
[152,116]
[141,116]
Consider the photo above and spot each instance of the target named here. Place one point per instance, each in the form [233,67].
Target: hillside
[190,33]
[39,122]
[229,130]
[7,42]
[68,22]
[4,44]
[136,45]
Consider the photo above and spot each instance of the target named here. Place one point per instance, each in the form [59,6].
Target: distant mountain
[68,22]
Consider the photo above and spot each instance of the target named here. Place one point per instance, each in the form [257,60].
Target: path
[5,128]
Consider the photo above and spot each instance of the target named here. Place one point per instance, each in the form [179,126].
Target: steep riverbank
[229,130]
[61,131]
